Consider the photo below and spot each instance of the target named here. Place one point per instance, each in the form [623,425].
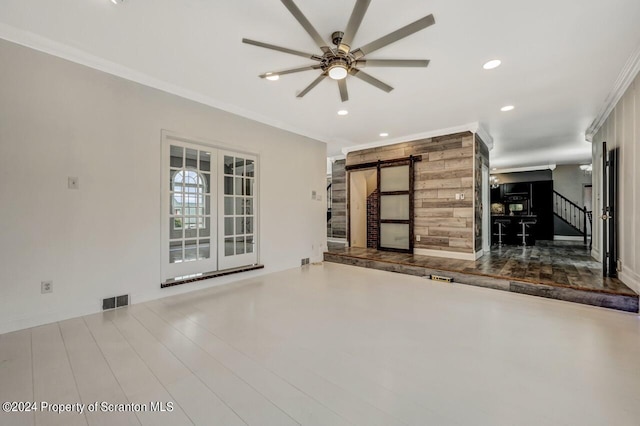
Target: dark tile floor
[558,264]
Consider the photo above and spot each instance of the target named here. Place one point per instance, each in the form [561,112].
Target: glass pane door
[396,208]
[188,235]
[237,201]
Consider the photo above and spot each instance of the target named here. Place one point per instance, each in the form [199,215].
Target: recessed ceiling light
[343,112]
[507,108]
[384,135]
[493,64]
[117,1]
[494,169]
[272,76]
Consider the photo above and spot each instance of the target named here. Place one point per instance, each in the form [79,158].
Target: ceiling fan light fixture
[272,77]
[338,72]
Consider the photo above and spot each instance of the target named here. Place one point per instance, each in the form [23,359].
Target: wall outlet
[619,265]
[46,287]
[73,182]
[417,237]
[462,195]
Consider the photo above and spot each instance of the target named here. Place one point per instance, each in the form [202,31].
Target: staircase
[579,218]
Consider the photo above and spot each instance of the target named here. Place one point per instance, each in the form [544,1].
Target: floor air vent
[441,278]
[115,302]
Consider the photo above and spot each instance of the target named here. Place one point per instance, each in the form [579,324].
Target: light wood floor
[334,345]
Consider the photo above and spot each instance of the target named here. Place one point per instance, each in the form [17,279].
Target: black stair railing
[579,218]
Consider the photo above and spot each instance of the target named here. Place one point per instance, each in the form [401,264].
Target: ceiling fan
[340,61]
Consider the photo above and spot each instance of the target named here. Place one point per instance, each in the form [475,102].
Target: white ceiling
[560,61]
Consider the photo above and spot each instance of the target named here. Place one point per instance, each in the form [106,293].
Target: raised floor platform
[555,270]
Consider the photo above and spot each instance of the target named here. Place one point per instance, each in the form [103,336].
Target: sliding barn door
[395,186]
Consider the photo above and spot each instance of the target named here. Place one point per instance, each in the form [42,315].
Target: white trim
[469,127]
[448,254]
[630,278]
[43,44]
[524,169]
[627,75]
[485,136]
[568,238]
[595,253]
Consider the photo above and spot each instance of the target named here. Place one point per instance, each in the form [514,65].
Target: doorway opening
[363,208]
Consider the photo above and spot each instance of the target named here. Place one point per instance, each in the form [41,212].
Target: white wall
[569,181]
[59,119]
[622,130]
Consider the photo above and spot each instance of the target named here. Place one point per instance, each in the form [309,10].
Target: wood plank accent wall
[446,169]
[481,153]
[339,200]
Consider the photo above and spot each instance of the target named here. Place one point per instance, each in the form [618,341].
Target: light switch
[313,195]
[73,182]
[457,196]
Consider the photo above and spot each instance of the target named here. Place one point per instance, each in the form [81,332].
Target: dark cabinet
[521,188]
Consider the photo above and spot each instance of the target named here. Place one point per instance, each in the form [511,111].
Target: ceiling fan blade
[297,13]
[282,49]
[344,94]
[291,71]
[399,34]
[312,85]
[406,63]
[370,79]
[355,20]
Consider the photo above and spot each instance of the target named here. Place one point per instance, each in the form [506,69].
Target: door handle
[605,217]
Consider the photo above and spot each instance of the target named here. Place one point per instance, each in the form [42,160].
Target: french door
[237,227]
[209,205]
[189,197]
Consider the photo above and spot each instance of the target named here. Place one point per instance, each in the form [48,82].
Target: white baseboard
[447,254]
[595,253]
[568,238]
[630,278]
[16,324]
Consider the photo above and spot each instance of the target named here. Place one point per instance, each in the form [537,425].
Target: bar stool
[502,224]
[525,223]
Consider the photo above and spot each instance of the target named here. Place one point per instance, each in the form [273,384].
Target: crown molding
[524,169]
[627,75]
[485,136]
[469,127]
[72,54]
